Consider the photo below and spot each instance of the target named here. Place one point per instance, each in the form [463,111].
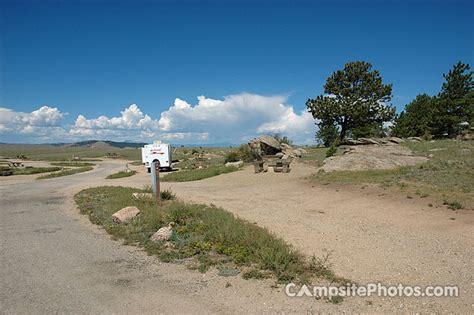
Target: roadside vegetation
[198,174]
[121,174]
[7,171]
[448,175]
[203,237]
[67,172]
[72,164]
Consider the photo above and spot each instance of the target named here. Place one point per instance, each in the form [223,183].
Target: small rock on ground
[163,234]
[236,164]
[126,214]
[137,195]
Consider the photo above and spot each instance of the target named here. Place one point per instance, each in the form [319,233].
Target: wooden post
[155,179]
[157,174]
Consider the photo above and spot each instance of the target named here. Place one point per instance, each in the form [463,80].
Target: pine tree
[417,118]
[454,104]
[354,97]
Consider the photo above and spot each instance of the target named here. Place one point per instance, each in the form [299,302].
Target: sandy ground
[372,235]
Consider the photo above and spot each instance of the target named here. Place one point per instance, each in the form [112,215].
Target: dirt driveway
[372,235]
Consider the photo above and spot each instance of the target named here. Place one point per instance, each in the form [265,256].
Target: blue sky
[94,58]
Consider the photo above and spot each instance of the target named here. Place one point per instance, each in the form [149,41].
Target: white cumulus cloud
[41,123]
[233,119]
[237,118]
[45,116]
[131,124]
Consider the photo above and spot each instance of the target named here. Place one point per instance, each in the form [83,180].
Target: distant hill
[107,144]
[98,144]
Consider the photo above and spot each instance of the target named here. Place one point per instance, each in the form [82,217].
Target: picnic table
[279,165]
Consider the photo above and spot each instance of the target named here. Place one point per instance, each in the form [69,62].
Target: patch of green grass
[67,172]
[322,268]
[29,170]
[207,235]
[317,155]
[198,174]
[453,205]
[72,164]
[449,171]
[121,174]
[254,274]
[351,177]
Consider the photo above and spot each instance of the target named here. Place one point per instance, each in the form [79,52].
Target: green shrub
[232,156]
[167,195]
[331,151]
[245,153]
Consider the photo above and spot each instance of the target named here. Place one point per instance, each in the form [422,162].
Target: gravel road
[52,263]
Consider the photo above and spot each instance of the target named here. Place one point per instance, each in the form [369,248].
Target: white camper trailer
[157,151]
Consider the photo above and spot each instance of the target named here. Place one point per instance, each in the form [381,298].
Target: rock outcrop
[372,157]
[379,141]
[267,145]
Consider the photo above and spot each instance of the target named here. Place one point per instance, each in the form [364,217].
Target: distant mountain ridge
[126,144]
[104,143]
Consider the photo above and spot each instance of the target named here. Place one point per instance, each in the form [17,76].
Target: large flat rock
[372,157]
